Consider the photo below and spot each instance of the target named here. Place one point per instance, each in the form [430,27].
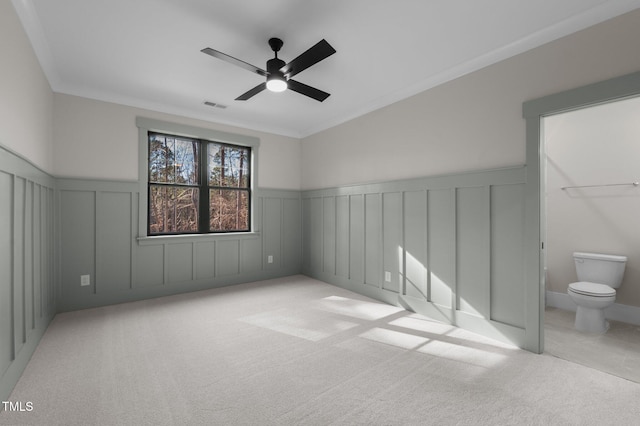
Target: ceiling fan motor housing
[276,81]
[274,65]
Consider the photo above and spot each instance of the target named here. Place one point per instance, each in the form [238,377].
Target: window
[197,186]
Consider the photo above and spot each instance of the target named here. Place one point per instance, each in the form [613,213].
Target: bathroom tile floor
[616,352]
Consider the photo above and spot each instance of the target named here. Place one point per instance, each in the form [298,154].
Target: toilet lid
[592,289]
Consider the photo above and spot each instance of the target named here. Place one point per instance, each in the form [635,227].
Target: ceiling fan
[278,73]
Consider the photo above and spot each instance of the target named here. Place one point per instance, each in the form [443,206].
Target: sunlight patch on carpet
[461,353]
[357,308]
[394,338]
[306,325]
[422,324]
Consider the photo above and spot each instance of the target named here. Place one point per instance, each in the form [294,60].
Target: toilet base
[591,320]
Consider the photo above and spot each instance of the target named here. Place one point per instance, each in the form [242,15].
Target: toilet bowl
[592,299]
[599,275]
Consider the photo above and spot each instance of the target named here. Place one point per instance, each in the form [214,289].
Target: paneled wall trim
[449,247]
[100,237]
[27,263]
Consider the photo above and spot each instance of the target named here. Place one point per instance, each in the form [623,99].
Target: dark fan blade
[313,55]
[234,61]
[309,91]
[259,88]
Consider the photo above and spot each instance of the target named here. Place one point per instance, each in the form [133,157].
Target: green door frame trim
[534,111]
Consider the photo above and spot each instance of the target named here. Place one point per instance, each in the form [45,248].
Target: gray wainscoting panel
[99,228]
[415,245]
[251,256]
[473,256]
[28,260]
[372,240]
[227,258]
[272,231]
[19,281]
[205,260]
[329,235]
[449,247]
[392,240]
[313,208]
[77,241]
[41,278]
[6,267]
[306,232]
[356,238]
[342,236]
[507,247]
[292,233]
[36,253]
[179,262]
[113,271]
[149,266]
[441,261]
[27,284]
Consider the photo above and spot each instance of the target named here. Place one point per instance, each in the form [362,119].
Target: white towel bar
[594,186]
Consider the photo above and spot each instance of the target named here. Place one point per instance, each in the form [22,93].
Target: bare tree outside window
[228,168]
[180,202]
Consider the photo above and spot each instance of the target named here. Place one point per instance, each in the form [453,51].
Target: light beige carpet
[298,351]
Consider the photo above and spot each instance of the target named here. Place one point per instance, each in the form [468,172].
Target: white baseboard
[616,312]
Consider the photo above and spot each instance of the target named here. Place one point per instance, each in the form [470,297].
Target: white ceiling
[146,53]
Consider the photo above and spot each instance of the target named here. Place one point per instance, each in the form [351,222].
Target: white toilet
[599,275]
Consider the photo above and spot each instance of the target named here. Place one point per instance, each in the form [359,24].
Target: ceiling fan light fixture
[277,83]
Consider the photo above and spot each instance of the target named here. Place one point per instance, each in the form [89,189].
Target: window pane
[159,159]
[228,166]
[173,209]
[229,210]
[186,164]
[173,160]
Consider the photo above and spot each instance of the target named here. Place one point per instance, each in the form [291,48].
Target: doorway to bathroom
[535,112]
[589,164]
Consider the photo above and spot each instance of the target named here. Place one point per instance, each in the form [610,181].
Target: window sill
[191,238]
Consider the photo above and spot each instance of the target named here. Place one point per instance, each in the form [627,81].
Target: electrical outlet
[270,259]
[85,280]
[387,276]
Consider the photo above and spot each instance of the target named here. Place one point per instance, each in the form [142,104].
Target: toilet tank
[600,268]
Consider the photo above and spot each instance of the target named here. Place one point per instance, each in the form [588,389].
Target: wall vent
[213,104]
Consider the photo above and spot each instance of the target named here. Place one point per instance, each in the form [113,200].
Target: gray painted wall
[450,247]
[27,263]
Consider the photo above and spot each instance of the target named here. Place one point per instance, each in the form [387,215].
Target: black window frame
[203,186]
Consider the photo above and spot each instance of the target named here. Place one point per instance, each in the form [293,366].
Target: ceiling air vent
[213,104]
